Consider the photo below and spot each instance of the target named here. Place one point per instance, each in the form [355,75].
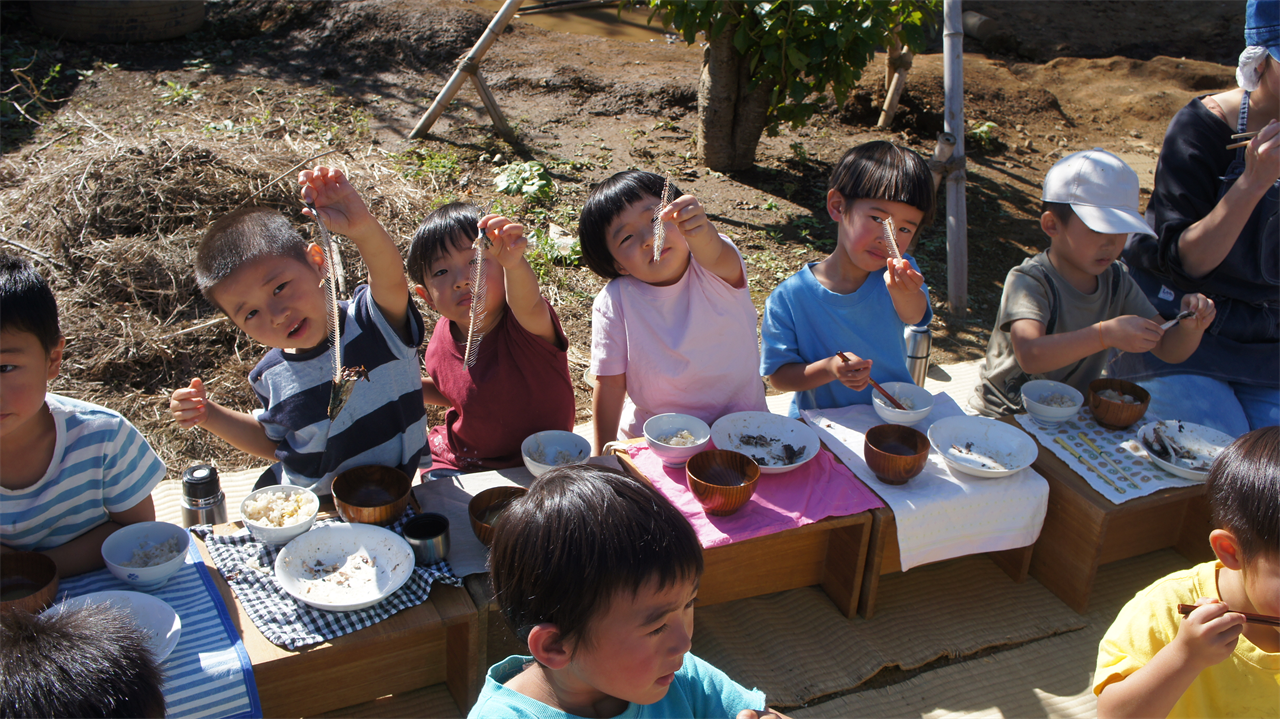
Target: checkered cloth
[248,566]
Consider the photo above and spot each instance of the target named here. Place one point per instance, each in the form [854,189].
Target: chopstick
[1185,609]
[1086,463]
[1245,136]
[892,400]
[1105,458]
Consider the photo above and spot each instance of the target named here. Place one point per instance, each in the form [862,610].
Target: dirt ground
[139,146]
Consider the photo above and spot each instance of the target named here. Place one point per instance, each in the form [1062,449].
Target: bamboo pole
[895,88]
[953,123]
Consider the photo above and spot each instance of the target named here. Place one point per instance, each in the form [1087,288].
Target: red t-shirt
[519,385]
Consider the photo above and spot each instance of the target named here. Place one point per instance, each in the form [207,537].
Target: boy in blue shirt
[830,326]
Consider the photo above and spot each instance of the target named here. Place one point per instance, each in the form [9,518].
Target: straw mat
[167,496]
[796,647]
[1052,677]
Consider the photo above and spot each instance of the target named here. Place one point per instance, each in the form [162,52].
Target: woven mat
[1048,678]
[796,647]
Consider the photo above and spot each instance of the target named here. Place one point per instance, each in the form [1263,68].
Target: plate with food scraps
[1183,448]
[982,447]
[344,567]
[157,620]
[776,443]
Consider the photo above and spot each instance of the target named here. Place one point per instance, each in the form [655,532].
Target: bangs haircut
[1243,488]
[27,303]
[1060,210]
[453,226]
[881,170]
[241,237]
[606,201]
[581,535]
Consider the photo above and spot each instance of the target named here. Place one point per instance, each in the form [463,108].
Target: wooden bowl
[371,494]
[895,453]
[722,481]
[1117,415]
[484,509]
[28,581]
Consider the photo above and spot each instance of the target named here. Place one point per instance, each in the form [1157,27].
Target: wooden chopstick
[1086,463]
[1185,609]
[1105,458]
[892,400]
[1234,145]
[1245,135]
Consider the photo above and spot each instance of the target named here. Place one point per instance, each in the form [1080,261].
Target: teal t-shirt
[699,690]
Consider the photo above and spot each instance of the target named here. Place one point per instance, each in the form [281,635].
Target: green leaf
[798,59]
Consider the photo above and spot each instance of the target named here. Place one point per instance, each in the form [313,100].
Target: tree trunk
[730,118]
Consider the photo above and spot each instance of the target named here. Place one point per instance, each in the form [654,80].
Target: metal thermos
[919,342]
[202,498]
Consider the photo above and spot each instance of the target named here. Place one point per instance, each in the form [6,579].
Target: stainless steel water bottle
[202,498]
[919,342]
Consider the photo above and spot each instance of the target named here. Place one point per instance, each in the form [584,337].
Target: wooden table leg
[1015,562]
[846,563]
[462,642]
[883,530]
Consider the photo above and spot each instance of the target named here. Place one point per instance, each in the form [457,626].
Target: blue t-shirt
[805,322]
[699,690]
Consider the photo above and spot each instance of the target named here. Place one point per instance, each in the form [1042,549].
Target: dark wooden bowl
[895,453]
[28,581]
[722,481]
[1117,415]
[485,508]
[371,494]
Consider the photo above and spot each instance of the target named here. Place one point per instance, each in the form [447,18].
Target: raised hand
[507,241]
[339,204]
[188,405]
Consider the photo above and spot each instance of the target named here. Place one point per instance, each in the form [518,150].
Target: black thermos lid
[200,481]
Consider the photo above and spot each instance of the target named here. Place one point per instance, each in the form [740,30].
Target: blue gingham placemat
[249,567]
[208,674]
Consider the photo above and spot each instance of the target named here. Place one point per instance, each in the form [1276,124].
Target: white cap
[1102,190]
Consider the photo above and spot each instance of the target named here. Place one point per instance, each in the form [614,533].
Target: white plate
[780,430]
[1009,446]
[1202,440]
[154,616]
[344,545]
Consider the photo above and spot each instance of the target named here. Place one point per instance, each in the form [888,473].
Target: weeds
[523,178]
[178,93]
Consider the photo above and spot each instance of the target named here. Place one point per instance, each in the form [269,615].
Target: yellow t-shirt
[1245,685]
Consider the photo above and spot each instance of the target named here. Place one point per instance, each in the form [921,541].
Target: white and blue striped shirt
[101,464]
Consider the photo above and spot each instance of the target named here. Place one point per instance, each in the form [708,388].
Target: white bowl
[157,620]
[390,564]
[920,397]
[552,448]
[727,433]
[1202,440]
[1044,415]
[665,425]
[119,547]
[268,534]
[1009,448]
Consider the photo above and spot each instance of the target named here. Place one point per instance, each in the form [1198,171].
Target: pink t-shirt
[689,347]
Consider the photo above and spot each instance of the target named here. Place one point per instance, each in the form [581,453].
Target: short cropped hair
[605,202]
[453,226]
[1060,210]
[881,170]
[27,303]
[87,662]
[1243,487]
[580,536]
[240,237]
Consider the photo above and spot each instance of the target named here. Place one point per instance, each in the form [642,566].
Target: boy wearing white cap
[1065,308]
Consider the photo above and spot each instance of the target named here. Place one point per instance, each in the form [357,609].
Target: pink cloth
[820,488]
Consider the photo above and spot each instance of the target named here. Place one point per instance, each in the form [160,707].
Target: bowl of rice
[917,400]
[144,555]
[552,448]
[676,437]
[1051,403]
[275,515]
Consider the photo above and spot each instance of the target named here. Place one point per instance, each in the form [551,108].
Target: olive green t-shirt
[1030,290]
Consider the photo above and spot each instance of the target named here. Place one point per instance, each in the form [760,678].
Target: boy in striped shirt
[72,472]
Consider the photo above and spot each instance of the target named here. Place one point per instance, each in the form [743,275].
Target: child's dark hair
[1060,210]
[240,237]
[27,302]
[453,226]
[881,170]
[1243,488]
[606,201]
[87,662]
[581,535]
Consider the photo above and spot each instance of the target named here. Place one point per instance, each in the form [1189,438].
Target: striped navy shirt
[382,423]
[101,464]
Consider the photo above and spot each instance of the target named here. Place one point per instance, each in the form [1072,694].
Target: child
[1154,663]
[87,662]
[1064,308]
[256,268]
[673,334]
[520,382]
[606,608]
[842,305]
[72,472]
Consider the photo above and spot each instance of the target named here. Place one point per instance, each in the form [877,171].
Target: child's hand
[901,278]
[339,204]
[690,216]
[1208,635]
[1262,156]
[188,405]
[1131,333]
[763,714]
[507,240]
[1204,309]
[854,374]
